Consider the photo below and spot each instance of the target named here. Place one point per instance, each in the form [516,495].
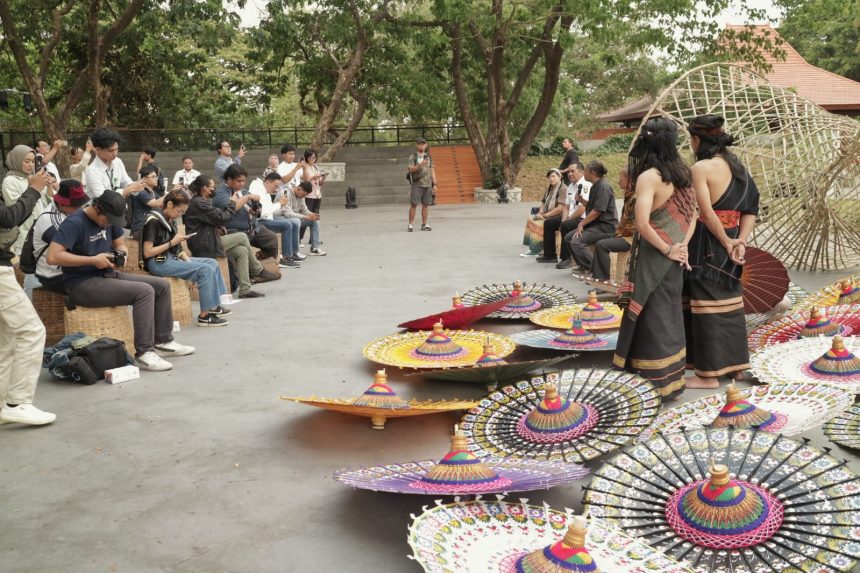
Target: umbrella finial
[575,536]
[380,377]
[819,325]
[719,474]
[568,554]
[457,301]
[837,362]
[815,313]
[592,297]
[740,413]
[838,344]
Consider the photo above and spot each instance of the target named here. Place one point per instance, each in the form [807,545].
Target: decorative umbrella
[492,374]
[574,338]
[830,321]
[482,536]
[791,299]
[459,316]
[830,360]
[844,429]
[527,298]
[765,281]
[576,415]
[460,472]
[723,500]
[843,291]
[593,314]
[380,402]
[788,408]
[439,349]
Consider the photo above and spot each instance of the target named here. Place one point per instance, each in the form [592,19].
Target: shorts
[423,195]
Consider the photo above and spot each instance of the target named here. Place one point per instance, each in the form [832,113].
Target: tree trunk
[343,137]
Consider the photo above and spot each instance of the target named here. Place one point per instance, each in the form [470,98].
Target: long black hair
[202,181]
[657,147]
[714,141]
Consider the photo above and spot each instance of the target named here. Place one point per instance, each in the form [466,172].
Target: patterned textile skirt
[652,345]
[716,328]
[533,237]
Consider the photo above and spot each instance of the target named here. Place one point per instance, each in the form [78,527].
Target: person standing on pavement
[569,161]
[422,178]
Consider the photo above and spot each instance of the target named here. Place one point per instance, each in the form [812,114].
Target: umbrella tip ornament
[849,294]
[460,469]
[439,346]
[489,356]
[740,413]
[456,301]
[567,555]
[380,395]
[819,325]
[838,361]
[556,419]
[522,302]
[575,336]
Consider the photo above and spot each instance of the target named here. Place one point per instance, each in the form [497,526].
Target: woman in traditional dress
[651,342]
[549,211]
[713,303]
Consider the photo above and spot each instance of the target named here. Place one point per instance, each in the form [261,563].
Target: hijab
[15,160]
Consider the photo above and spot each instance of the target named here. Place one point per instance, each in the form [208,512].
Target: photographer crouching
[22,335]
[89,246]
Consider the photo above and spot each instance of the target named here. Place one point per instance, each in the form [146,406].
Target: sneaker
[264,277]
[251,294]
[299,257]
[410,228]
[211,319]
[545,260]
[152,361]
[565,264]
[25,414]
[426,228]
[318,252]
[173,348]
[580,270]
[528,254]
[221,311]
[288,263]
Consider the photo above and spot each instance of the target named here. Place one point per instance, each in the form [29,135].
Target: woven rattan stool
[180,296]
[50,306]
[111,321]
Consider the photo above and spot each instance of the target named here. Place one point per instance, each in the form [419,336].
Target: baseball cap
[70,194]
[420,140]
[112,205]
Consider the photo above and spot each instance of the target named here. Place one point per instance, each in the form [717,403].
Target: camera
[118,258]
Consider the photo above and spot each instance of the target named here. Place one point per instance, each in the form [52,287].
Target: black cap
[112,205]
[420,140]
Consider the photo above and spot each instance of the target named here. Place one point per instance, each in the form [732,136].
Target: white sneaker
[318,252]
[173,348]
[152,361]
[26,414]
[300,257]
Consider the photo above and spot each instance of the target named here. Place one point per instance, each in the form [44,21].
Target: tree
[826,33]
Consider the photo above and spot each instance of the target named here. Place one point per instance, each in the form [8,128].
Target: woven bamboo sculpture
[805,160]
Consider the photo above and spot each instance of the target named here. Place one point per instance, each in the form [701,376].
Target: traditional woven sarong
[651,340]
[714,319]
[533,237]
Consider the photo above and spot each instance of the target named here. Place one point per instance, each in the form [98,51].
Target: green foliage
[826,33]
[618,143]
[554,149]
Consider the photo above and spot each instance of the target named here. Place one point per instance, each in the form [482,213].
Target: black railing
[270,138]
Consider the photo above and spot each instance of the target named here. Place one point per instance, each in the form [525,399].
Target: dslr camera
[118,258]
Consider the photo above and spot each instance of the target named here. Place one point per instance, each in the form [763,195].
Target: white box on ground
[122,374]
[175,326]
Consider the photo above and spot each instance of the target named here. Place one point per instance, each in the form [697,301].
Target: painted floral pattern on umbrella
[845,318]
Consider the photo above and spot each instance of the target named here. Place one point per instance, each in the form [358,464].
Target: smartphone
[190,235]
[38,164]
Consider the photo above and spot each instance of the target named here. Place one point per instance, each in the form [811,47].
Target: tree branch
[56,32]
[528,67]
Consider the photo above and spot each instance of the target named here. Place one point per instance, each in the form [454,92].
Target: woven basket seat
[49,306]
[111,321]
[180,296]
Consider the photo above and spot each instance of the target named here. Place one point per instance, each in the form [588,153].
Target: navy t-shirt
[140,208]
[81,236]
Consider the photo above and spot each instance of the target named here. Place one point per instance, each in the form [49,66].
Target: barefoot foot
[699,382]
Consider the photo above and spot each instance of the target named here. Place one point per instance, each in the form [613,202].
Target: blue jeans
[201,271]
[315,231]
[289,230]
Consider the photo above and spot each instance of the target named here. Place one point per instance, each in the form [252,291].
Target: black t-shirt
[570,157]
[81,236]
[601,198]
[155,231]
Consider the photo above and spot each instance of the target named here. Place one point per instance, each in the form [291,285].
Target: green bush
[497,178]
[554,149]
[618,143]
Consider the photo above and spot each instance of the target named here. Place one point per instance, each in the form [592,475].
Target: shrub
[618,143]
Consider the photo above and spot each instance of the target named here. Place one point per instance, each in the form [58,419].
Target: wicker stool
[620,265]
[111,321]
[133,247]
[225,274]
[49,306]
[180,297]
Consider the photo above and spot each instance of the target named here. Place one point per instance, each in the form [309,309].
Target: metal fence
[271,137]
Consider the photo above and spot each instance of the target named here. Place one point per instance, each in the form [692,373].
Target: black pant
[550,226]
[567,227]
[600,265]
[266,241]
[314,207]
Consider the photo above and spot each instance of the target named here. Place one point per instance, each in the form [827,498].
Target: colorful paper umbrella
[528,298]
[723,500]
[830,321]
[593,314]
[380,402]
[831,360]
[459,316]
[575,415]
[789,302]
[438,349]
[843,291]
[785,407]
[574,338]
[460,472]
[494,373]
[844,429]
[765,281]
[482,536]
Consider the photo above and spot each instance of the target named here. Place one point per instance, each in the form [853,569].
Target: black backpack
[351,201]
[29,258]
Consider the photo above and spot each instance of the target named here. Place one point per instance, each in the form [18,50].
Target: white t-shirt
[101,177]
[50,217]
[52,169]
[571,193]
[257,187]
[284,168]
[188,176]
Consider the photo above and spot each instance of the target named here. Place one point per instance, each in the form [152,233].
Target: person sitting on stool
[600,218]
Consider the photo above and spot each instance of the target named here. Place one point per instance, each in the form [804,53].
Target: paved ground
[203,469]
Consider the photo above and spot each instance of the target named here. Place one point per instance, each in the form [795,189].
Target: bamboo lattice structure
[805,160]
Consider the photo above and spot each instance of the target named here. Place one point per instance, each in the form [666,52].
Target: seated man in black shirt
[600,218]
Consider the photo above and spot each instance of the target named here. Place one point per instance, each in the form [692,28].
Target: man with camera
[226,159]
[22,335]
[89,246]
[107,171]
[422,179]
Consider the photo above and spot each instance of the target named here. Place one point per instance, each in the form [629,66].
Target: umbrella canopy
[460,472]
[380,402]
[843,291]
[459,316]
[494,373]
[734,500]
[794,407]
[593,314]
[574,415]
[574,338]
[765,281]
[829,321]
[527,298]
[478,536]
[844,429]
[830,360]
[437,349]
[791,300]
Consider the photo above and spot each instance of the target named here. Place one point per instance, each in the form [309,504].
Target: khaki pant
[238,249]
[22,339]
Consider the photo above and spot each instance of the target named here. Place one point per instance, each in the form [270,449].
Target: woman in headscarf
[713,306]
[549,212]
[20,164]
[651,341]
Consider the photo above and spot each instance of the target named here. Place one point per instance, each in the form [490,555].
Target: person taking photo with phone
[225,158]
[422,179]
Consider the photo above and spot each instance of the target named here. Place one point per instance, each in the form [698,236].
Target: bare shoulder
[650,177]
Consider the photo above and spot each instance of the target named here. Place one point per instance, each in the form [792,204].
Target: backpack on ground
[351,201]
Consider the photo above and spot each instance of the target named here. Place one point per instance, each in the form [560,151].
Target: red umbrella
[457,317]
[765,281]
